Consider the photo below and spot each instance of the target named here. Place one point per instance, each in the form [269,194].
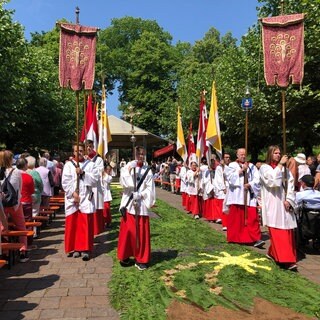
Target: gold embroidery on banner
[281,47]
[76,54]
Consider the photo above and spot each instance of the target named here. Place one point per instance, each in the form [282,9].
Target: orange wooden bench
[3,263]
[12,248]
[40,218]
[46,211]
[55,208]
[17,233]
[28,224]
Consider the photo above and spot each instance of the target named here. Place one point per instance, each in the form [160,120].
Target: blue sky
[185,20]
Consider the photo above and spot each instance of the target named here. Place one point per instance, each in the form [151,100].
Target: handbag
[10,198]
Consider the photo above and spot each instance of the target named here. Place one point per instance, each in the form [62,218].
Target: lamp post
[246,106]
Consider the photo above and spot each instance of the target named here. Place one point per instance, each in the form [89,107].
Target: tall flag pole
[213,128]
[90,131]
[283,50]
[202,148]
[77,54]
[104,129]
[181,145]
[191,146]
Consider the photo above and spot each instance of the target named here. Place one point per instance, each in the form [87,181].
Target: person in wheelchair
[308,213]
[309,197]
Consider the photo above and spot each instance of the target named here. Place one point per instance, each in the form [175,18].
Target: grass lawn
[193,263]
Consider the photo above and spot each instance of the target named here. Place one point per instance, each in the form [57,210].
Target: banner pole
[284,137]
[77,128]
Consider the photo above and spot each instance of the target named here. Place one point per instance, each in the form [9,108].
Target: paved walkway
[52,286]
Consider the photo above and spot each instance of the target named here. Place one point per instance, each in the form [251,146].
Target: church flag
[104,129]
[213,128]
[283,49]
[181,145]
[202,148]
[77,56]
[191,146]
[90,131]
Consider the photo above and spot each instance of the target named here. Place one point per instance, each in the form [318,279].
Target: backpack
[10,198]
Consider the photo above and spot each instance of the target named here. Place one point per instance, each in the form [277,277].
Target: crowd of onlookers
[34,182]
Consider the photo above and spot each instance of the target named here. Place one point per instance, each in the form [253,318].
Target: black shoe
[126,262]
[259,244]
[24,257]
[293,267]
[85,256]
[141,266]
[269,257]
[70,254]
[76,254]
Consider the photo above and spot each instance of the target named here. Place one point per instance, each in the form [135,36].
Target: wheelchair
[308,221]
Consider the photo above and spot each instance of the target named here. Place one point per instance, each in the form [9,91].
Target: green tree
[137,55]
[13,82]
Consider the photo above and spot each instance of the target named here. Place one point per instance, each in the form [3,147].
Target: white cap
[300,158]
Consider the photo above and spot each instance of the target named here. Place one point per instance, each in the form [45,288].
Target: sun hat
[300,158]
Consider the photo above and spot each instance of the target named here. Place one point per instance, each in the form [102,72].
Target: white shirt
[220,183]
[69,184]
[192,182]
[98,190]
[236,181]
[206,183]
[274,213]
[106,180]
[147,190]
[183,176]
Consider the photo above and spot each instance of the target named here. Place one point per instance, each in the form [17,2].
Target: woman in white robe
[278,202]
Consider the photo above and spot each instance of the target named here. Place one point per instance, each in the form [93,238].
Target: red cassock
[208,209]
[184,198]
[107,218]
[127,246]
[282,245]
[98,222]
[241,230]
[193,204]
[79,232]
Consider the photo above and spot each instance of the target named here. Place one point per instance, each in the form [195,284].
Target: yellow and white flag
[104,129]
[213,135]
[181,144]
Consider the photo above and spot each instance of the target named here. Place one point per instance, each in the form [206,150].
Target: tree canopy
[137,57]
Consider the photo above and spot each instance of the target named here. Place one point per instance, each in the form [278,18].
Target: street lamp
[246,106]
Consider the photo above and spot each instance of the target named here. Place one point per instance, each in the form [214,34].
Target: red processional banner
[77,56]
[283,49]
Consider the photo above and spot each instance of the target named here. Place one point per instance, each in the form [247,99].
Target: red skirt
[107,218]
[208,208]
[193,204]
[217,209]
[239,230]
[98,224]
[184,198]
[282,245]
[127,246]
[78,234]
